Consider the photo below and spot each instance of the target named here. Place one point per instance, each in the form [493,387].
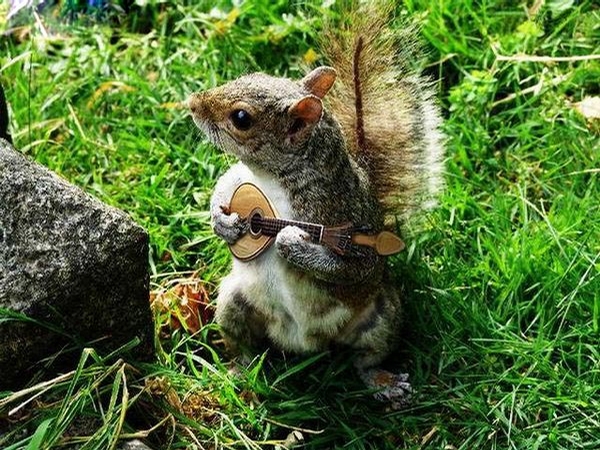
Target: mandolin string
[314,235]
[268,230]
[311,228]
[273,226]
[268,227]
[271,230]
[284,223]
[277,228]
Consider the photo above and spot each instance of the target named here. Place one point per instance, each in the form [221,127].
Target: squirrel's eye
[241,119]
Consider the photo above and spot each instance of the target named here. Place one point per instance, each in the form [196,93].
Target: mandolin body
[248,200]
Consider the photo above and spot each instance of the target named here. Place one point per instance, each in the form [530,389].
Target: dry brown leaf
[201,406]
[198,405]
[161,387]
[183,303]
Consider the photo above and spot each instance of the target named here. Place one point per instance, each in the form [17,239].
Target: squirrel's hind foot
[390,387]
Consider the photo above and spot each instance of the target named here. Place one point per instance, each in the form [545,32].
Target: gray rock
[75,266]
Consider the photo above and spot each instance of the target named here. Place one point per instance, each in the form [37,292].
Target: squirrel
[373,154]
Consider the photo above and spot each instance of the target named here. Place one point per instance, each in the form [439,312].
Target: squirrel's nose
[195,103]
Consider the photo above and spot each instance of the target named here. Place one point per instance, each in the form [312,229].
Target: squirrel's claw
[391,387]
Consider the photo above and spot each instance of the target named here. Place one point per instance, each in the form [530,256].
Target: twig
[543,59]
[142,434]
[290,427]
[532,89]
[194,438]
[534,9]
[13,411]
[40,386]
[40,24]
[445,58]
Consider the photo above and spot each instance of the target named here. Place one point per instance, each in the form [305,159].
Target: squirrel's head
[263,119]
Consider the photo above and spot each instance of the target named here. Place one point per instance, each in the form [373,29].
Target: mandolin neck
[270,226]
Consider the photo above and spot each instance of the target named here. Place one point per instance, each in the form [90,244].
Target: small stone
[133,445]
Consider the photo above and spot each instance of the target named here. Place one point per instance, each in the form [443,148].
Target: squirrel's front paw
[290,239]
[229,227]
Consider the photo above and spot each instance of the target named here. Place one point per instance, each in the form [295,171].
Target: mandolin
[254,206]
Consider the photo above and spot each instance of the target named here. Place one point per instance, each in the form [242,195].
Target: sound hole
[256,222]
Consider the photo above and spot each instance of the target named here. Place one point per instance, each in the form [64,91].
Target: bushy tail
[386,108]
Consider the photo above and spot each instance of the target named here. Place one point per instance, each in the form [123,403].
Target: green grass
[502,335]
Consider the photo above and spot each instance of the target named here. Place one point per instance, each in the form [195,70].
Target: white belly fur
[272,286]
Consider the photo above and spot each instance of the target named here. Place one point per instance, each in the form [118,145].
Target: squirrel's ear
[308,109]
[305,114]
[319,81]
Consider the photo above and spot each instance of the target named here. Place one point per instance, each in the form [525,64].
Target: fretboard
[270,226]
